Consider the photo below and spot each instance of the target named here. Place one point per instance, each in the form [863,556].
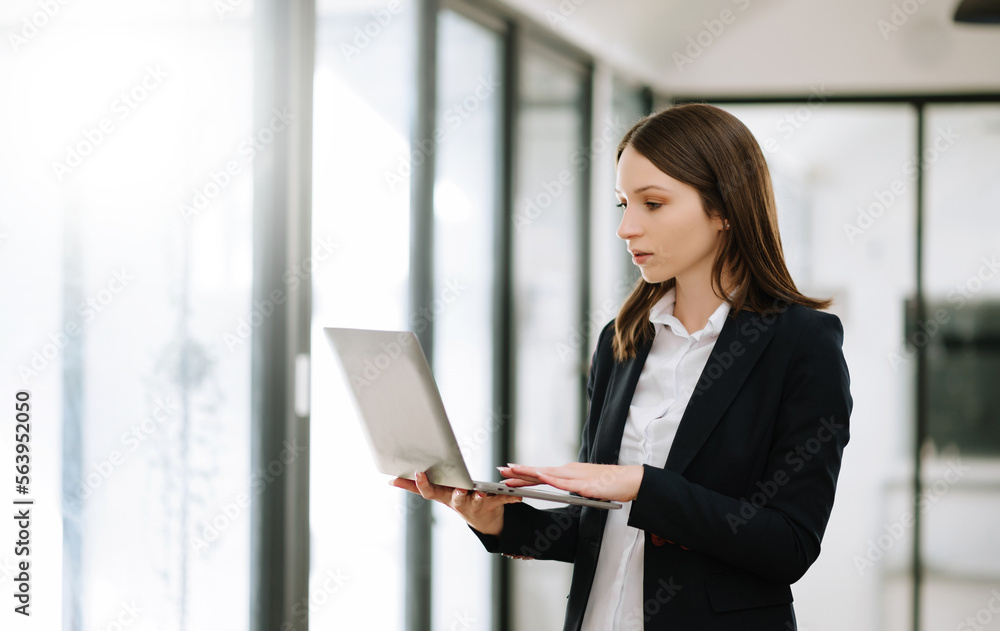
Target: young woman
[719,406]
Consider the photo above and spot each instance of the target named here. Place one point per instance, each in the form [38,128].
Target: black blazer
[738,511]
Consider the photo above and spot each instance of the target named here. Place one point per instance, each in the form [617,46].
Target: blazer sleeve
[775,534]
[549,534]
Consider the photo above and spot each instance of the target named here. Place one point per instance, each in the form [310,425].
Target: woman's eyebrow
[644,188]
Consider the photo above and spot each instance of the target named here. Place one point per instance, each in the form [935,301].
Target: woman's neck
[695,302]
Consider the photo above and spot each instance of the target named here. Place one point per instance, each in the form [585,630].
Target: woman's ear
[720,222]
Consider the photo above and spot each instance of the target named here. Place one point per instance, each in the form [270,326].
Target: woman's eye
[653,205]
[620,205]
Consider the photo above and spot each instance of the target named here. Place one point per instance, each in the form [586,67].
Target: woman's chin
[652,276]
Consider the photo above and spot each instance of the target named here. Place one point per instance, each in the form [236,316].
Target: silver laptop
[403,415]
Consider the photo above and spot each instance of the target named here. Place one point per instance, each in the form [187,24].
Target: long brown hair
[709,149]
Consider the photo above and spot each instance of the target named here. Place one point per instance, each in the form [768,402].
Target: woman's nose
[629,227]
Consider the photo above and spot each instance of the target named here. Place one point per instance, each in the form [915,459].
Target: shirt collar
[662,312]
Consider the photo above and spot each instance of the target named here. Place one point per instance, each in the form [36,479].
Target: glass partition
[363,94]
[125,235]
[612,273]
[466,150]
[547,217]
[846,192]
[961,335]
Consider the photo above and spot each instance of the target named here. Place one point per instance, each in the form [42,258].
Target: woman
[719,406]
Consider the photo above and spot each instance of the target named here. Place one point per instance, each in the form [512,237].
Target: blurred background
[190,190]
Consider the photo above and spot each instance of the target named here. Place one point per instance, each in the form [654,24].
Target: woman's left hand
[613,482]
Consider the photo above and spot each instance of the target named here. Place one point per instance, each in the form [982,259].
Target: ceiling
[752,47]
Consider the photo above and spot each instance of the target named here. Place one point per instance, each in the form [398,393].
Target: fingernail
[502,468]
[511,464]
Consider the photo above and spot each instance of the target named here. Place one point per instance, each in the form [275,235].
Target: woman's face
[664,224]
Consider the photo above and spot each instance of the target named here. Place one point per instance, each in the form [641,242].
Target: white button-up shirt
[669,375]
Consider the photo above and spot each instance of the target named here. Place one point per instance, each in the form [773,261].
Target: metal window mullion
[504,350]
[921,394]
[584,239]
[418,535]
[284,36]
[860,99]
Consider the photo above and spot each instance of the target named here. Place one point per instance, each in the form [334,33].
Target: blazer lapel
[621,387]
[732,358]
[728,366]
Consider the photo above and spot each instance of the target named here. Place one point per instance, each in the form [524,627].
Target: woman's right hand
[483,511]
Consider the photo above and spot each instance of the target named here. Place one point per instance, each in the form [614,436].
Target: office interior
[190,190]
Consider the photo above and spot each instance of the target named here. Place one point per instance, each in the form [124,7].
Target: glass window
[961,336]
[547,280]
[962,149]
[466,150]
[126,186]
[612,273]
[845,193]
[361,166]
